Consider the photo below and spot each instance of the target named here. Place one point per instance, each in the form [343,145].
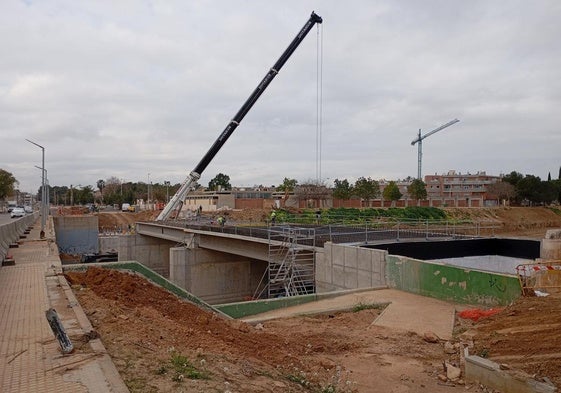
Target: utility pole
[44,210]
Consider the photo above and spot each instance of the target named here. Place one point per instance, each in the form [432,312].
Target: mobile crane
[176,202]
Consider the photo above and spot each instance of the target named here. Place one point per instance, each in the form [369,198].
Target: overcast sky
[140,90]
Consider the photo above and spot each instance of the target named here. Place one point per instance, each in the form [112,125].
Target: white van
[125,207]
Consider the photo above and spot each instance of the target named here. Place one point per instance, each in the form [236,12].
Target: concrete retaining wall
[77,234]
[149,251]
[215,277]
[490,263]
[451,283]
[109,243]
[349,267]
[551,245]
[11,232]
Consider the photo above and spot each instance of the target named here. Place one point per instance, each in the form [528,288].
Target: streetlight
[46,193]
[44,206]
[167,184]
[148,201]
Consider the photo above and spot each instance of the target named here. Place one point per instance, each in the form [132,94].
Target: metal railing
[365,232]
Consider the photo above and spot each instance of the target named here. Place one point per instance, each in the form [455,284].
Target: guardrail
[366,232]
[11,232]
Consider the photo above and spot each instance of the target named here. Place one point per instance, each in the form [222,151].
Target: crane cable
[319,100]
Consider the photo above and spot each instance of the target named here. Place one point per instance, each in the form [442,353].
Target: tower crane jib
[419,141]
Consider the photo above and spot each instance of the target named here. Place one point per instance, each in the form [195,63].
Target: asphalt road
[5,218]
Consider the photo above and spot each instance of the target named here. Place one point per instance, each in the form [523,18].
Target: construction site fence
[541,277]
[372,231]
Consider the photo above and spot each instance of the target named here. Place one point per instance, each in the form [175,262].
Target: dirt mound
[120,220]
[525,335]
[162,344]
[511,221]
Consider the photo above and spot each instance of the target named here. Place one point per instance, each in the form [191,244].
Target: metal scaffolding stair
[290,270]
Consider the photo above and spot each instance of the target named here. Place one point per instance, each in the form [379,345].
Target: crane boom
[419,140]
[177,200]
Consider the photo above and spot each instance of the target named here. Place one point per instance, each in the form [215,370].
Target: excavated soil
[525,335]
[146,329]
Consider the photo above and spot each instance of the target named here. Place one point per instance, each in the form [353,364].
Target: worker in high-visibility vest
[273,217]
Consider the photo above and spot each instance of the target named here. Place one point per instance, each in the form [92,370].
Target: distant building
[461,189]
[450,189]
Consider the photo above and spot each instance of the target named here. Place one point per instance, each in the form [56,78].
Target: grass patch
[180,367]
[369,306]
[299,379]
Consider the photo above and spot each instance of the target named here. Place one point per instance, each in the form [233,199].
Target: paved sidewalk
[406,311]
[30,357]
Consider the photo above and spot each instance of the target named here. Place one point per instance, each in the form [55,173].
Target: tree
[7,182]
[548,176]
[220,182]
[513,178]
[366,189]
[391,192]
[342,189]
[417,189]
[501,190]
[314,193]
[83,195]
[101,186]
[528,188]
[288,185]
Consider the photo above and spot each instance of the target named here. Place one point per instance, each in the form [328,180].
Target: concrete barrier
[451,283]
[11,232]
[491,374]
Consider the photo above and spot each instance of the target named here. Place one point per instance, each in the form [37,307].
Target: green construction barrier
[451,283]
[245,309]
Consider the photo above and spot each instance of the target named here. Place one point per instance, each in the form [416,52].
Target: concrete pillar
[214,276]
[551,245]
[149,251]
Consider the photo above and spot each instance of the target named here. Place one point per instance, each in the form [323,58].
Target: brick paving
[30,357]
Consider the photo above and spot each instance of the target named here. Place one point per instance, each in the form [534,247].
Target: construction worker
[273,217]
[221,220]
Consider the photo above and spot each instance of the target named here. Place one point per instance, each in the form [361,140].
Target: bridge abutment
[214,276]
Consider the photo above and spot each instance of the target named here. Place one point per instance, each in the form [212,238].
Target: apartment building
[457,186]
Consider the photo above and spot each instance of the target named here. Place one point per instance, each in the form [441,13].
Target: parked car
[17,212]
[28,209]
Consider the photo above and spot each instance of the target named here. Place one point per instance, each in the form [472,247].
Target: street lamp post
[167,184]
[43,201]
[46,192]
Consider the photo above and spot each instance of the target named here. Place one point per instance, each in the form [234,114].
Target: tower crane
[420,138]
[176,203]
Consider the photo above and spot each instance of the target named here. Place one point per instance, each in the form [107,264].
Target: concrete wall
[10,232]
[149,251]
[77,234]
[349,267]
[551,245]
[451,283]
[109,243]
[214,276]
[490,263]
